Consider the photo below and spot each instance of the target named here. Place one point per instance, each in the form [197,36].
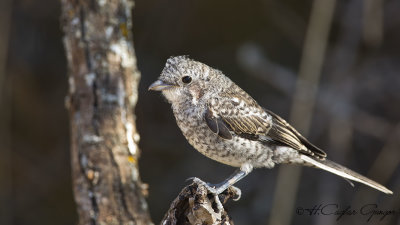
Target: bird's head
[184,79]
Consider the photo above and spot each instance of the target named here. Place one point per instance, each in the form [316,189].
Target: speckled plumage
[211,90]
[224,123]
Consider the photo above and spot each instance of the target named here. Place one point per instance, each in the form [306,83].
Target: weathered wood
[103,81]
[194,205]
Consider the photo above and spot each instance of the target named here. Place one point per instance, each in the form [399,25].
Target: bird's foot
[211,189]
[216,189]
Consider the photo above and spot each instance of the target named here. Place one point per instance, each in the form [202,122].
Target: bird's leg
[231,180]
[217,189]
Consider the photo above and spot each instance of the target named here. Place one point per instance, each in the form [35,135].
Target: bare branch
[195,206]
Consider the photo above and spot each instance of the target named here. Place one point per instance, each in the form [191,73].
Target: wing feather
[244,117]
[217,126]
[283,132]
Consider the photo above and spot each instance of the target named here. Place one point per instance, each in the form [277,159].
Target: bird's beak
[159,85]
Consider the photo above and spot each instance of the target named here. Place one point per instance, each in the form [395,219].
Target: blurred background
[332,68]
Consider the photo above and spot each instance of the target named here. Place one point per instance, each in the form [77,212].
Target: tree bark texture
[103,81]
[194,205]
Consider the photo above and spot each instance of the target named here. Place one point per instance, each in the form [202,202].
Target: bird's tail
[344,172]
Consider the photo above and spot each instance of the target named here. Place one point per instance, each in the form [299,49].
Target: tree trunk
[103,80]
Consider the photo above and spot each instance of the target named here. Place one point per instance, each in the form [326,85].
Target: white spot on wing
[236,100]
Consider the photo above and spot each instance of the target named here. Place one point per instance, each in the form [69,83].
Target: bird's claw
[238,193]
[211,188]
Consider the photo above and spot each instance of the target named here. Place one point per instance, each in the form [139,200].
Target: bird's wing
[244,117]
[283,132]
[217,125]
[239,115]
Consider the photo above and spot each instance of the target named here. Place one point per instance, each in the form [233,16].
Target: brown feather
[283,132]
[217,125]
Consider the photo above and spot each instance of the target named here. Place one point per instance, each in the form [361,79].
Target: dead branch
[195,206]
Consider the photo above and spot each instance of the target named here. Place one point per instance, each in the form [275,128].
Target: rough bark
[194,205]
[103,80]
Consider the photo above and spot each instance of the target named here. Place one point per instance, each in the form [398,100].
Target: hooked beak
[159,85]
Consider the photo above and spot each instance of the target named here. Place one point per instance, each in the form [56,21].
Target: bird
[224,123]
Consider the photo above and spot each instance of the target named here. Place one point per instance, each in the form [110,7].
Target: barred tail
[344,172]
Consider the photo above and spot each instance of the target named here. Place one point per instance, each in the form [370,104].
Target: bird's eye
[186,79]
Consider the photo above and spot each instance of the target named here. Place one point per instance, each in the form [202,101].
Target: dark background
[356,117]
